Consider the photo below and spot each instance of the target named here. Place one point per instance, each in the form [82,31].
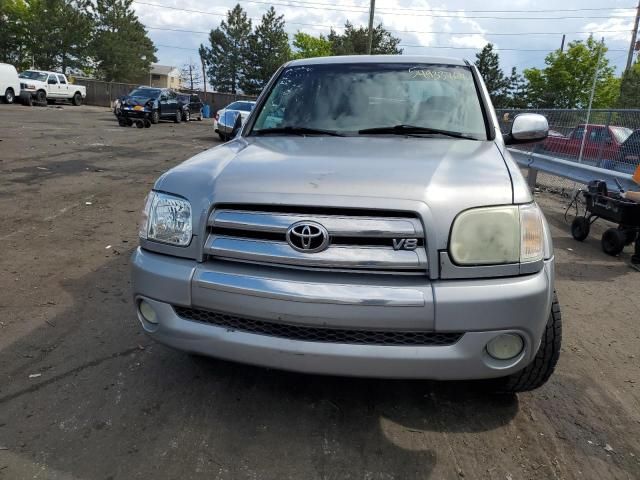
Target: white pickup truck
[39,86]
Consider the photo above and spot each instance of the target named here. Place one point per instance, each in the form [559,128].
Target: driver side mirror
[237,125]
[527,128]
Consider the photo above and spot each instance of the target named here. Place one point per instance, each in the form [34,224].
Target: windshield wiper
[297,131]
[413,130]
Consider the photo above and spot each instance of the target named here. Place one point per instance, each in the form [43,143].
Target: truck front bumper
[478,309]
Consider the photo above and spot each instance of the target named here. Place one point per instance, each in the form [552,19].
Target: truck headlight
[167,219]
[498,235]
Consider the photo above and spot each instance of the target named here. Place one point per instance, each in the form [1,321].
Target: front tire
[187,116]
[613,241]
[77,99]
[155,117]
[580,228]
[41,97]
[178,118]
[9,95]
[538,372]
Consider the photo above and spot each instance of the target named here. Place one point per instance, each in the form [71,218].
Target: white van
[9,83]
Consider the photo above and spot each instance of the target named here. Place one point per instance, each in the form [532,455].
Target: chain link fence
[603,138]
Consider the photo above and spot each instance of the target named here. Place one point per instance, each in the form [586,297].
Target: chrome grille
[317,334]
[359,241]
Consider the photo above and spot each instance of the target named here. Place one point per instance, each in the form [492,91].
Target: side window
[52,80]
[599,135]
[578,133]
[62,79]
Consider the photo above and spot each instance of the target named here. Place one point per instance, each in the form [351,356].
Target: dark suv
[191,106]
[153,104]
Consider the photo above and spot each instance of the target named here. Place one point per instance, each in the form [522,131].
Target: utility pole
[634,36]
[372,8]
[562,44]
[204,76]
[593,91]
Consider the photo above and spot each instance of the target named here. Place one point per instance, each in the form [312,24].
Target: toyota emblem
[308,237]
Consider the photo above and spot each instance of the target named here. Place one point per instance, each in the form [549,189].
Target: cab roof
[346,59]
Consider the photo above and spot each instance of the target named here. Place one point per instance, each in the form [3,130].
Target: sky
[523,31]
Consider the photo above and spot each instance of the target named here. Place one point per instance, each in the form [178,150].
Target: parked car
[9,83]
[629,152]
[41,86]
[602,142]
[191,106]
[224,119]
[365,220]
[153,104]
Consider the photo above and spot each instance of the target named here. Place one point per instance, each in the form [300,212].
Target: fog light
[147,312]
[505,346]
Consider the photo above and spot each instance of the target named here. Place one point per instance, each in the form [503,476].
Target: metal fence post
[532,178]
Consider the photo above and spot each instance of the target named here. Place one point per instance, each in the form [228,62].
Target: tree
[13,31]
[567,79]
[517,91]
[308,46]
[226,59]
[630,88]
[123,52]
[488,63]
[354,41]
[268,49]
[58,33]
[190,75]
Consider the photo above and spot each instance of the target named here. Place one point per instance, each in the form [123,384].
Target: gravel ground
[85,395]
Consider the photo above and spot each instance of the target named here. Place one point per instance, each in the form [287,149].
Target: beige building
[162,76]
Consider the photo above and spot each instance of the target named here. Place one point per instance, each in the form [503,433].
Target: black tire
[200,116]
[147,123]
[9,95]
[28,101]
[222,137]
[613,241]
[187,116]
[178,118]
[538,372]
[77,99]
[139,124]
[41,97]
[155,117]
[122,122]
[580,228]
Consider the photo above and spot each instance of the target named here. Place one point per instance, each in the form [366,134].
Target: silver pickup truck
[365,220]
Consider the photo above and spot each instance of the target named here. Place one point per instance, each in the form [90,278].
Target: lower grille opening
[316,334]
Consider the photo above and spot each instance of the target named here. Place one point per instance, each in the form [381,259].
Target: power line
[411,31]
[323,6]
[428,46]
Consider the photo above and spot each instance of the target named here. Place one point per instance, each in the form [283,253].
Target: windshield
[347,98]
[41,77]
[183,98]
[621,133]
[242,106]
[145,93]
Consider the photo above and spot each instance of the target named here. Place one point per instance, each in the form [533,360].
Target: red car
[602,142]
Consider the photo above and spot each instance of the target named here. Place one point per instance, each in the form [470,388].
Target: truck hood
[133,101]
[435,177]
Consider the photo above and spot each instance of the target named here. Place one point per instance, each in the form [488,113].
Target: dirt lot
[85,395]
